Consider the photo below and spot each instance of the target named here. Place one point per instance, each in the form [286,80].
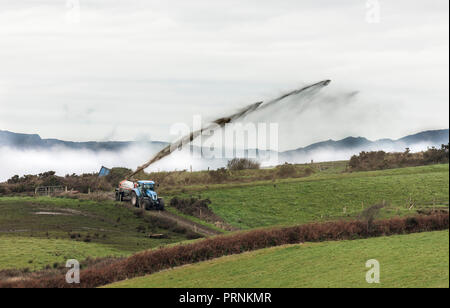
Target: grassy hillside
[416,260]
[328,196]
[36,232]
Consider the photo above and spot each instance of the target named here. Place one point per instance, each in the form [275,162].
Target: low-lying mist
[68,161]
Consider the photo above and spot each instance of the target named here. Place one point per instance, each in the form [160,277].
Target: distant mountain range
[346,147]
[327,150]
[34,141]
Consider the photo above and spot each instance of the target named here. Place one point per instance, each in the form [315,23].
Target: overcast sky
[130,69]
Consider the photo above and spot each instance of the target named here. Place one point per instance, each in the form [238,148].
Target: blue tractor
[144,196]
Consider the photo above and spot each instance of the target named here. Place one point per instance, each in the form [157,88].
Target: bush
[152,261]
[380,160]
[242,164]
[437,156]
[14,180]
[286,170]
[81,183]
[4,190]
[195,207]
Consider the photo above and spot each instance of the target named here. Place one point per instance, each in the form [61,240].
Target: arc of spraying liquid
[221,122]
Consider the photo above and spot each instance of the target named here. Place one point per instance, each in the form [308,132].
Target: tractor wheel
[161,204]
[134,200]
[146,205]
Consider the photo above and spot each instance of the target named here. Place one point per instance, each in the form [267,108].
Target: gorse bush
[437,156]
[156,260]
[381,160]
[82,183]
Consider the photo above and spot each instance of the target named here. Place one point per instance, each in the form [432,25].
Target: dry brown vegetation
[80,183]
[156,260]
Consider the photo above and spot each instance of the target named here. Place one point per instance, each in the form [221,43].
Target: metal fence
[49,190]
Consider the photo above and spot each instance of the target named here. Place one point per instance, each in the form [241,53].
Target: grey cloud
[144,65]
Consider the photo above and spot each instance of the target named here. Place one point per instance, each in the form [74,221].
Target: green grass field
[30,239]
[417,260]
[328,196]
[38,232]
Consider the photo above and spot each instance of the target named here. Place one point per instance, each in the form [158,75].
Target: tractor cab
[147,189]
[146,185]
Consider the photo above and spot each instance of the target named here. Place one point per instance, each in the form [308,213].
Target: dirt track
[183,222]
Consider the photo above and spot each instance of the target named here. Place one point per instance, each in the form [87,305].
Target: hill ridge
[32,141]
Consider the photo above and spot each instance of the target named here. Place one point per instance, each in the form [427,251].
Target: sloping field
[37,253]
[330,196]
[416,260]
[38,232]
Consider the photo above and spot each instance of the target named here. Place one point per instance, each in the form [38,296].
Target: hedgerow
[149,262]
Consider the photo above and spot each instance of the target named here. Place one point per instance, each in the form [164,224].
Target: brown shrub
[156,260]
